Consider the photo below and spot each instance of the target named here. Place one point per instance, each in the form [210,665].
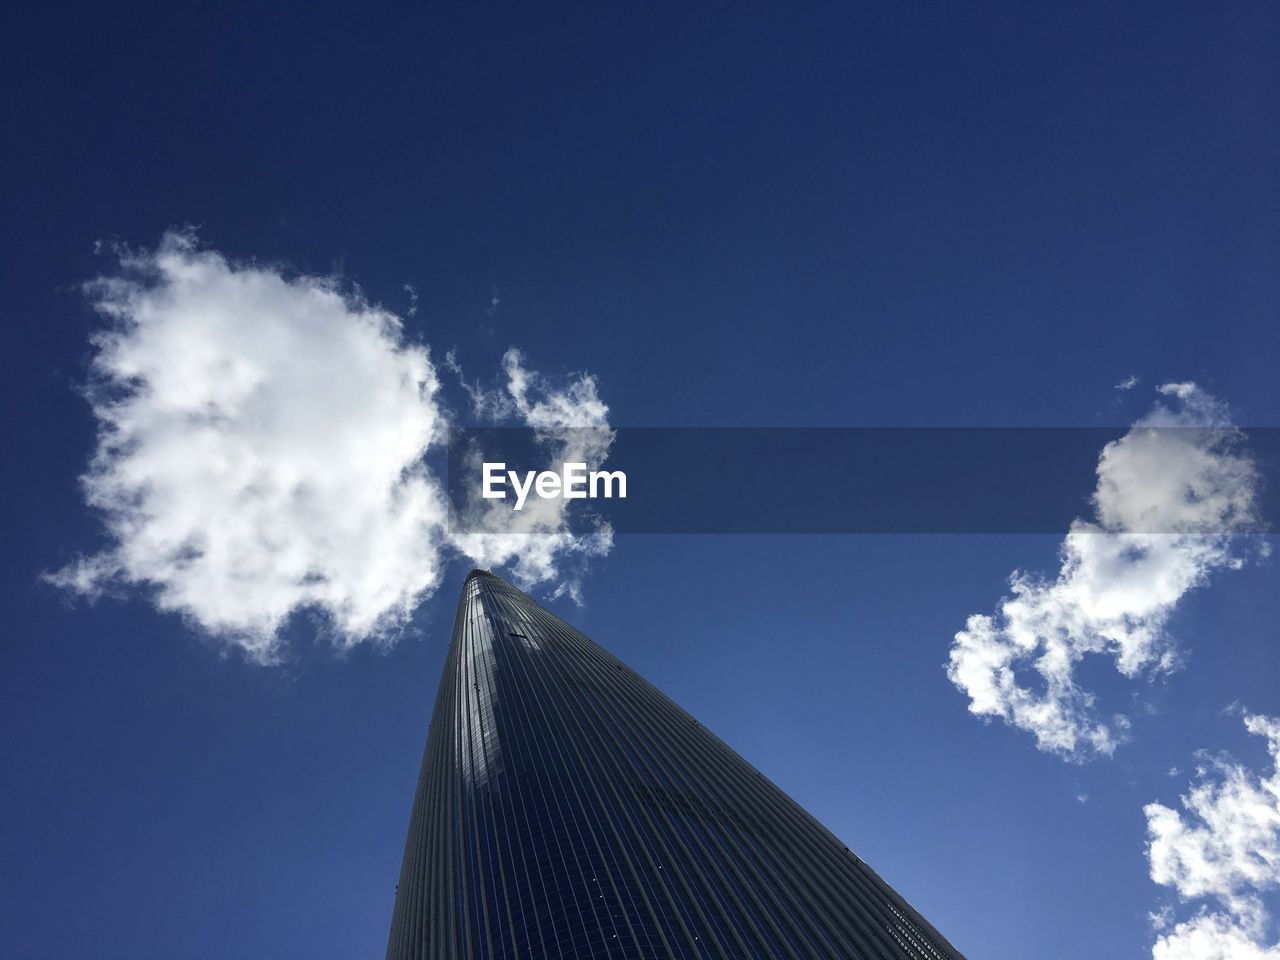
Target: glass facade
[568,809]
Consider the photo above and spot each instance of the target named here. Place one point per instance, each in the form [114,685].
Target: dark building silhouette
[567,809]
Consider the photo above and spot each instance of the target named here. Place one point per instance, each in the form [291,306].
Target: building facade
[567,809]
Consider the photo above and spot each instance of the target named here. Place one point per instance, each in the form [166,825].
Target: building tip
[477,572]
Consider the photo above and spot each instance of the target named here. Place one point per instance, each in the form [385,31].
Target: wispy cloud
[1118,584]
[1224,847]
[1128,383]
[571,423]
[260,452]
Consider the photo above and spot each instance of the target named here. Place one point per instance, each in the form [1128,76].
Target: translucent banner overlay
[869,480]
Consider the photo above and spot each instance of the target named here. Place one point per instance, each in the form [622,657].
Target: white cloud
[1224,845]
[1215,936]
[1230,842]
[260,452]
[1166,506]
[1128,383]
[571,423]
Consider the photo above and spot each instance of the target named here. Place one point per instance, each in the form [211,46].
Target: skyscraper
[567,809]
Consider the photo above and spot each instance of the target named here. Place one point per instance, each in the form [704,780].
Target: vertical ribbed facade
[567,809]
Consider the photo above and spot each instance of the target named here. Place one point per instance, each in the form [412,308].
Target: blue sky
[831,217]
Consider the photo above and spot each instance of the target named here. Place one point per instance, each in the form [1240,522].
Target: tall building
[567,809]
